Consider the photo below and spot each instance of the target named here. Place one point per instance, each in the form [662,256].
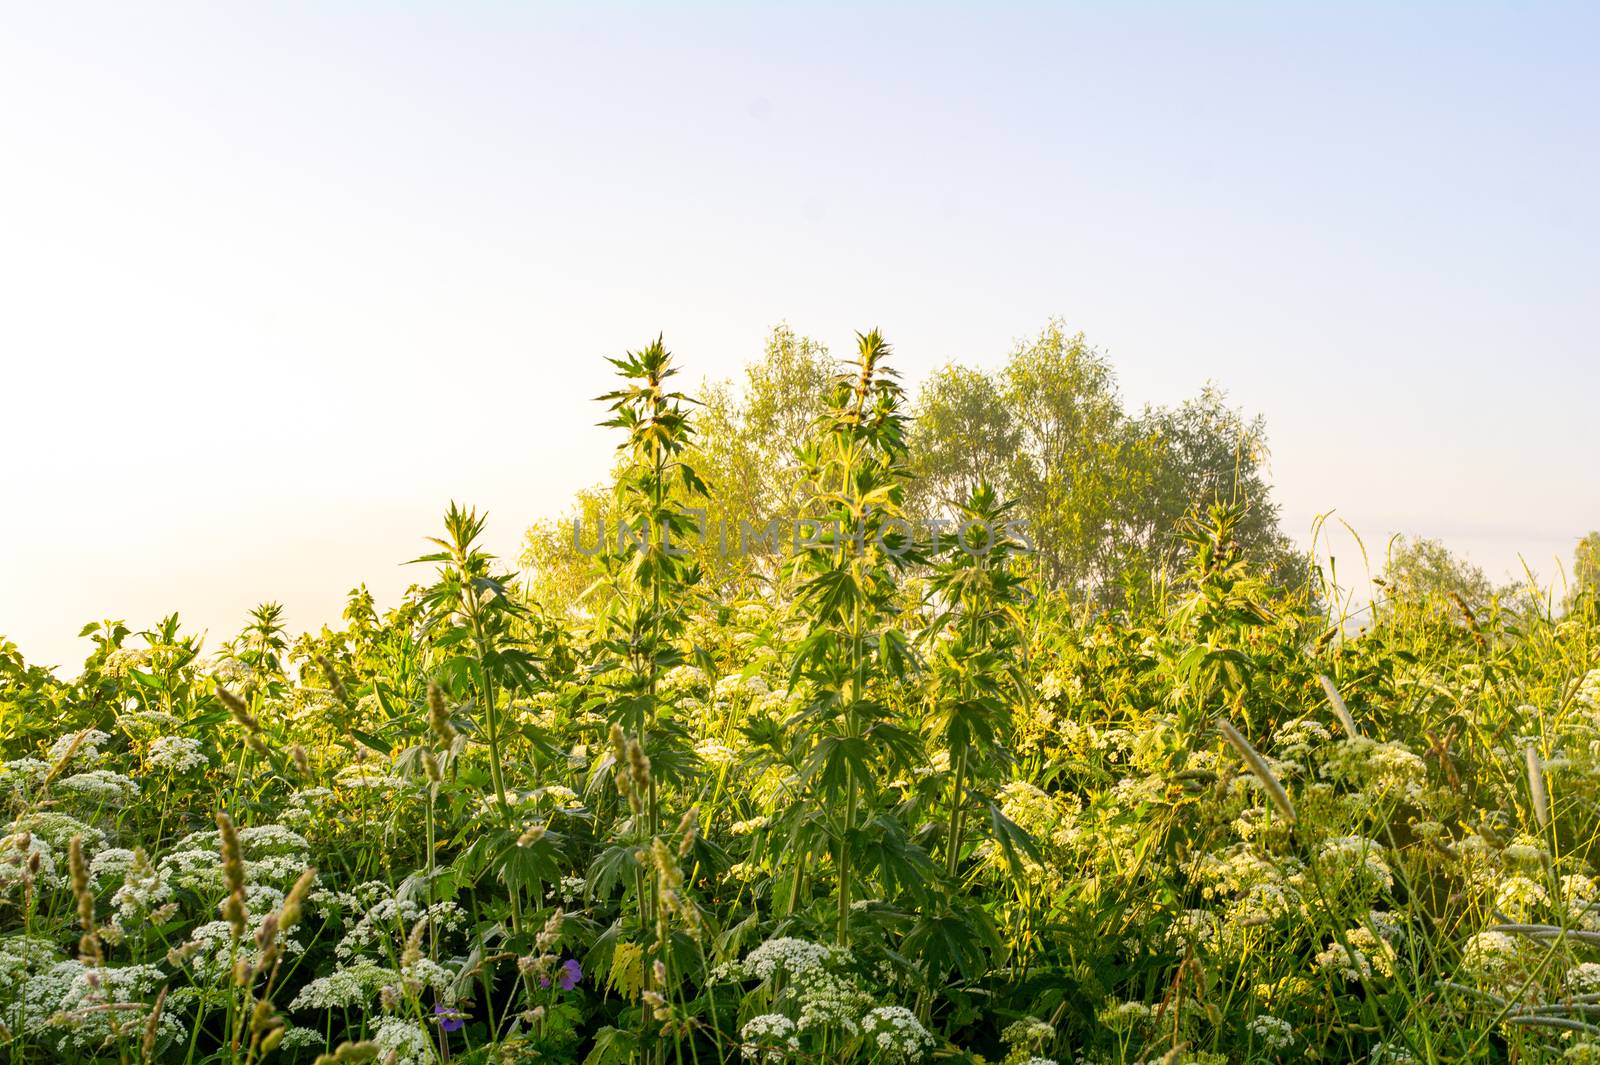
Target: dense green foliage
[884,800]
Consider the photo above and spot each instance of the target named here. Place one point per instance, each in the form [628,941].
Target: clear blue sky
[278,281]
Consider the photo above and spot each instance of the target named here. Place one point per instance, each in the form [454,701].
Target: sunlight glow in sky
[278,282]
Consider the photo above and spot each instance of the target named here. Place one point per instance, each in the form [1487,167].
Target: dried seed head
[439,715]
[1258,766]
[65,760]
[533,834]
[638,766]
[349,1054]
[267,934]
[1341,711]
[79,872]
[430,766]
[236,706]
[333,679]
[413,950]
[1536,788]
[302,763]
[550,934]
[232,853]
[262,1015]
[178,955]
[233,908]
[688,829]
[289,913]
[152,1027]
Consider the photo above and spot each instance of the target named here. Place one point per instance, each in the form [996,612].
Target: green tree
[1103,494]
[1198,454]
[1423,574]
[1586,562]
[746,446]
[963,436]
[1070,453]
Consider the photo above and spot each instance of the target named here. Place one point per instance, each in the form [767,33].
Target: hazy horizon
[279,284]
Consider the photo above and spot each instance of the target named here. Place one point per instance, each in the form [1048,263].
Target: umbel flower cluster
[848,806]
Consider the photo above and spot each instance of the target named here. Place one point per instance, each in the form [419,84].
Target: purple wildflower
[569,974]
[450,1019]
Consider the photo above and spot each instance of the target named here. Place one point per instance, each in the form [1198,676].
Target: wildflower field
[883,799]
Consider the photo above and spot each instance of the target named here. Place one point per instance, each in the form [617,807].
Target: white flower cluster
[1271,1032]
[273,855]
[57,829]
[896,1032]
[15,856]
[21,776]
[715,754]
[786,956]
[769,1037]
[1388,770]
[1583,978]
[110,864]
[92,1011]
[1351,963]
[1588,690]
[830,1001]
[144,888]
[735,683]
[682,678]
[1492,957]
[1028,1032]
[348,986]
[397,917]
[564,798]
[101,787]
[86,756]
[359,777]
[215,951]
[402,1042]
[1359,859]
[147,723]
[1124,1016]
[176,754]
[1520,898]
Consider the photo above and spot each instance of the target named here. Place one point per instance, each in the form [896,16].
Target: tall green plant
[972,662]
[850,565]
[473,623]
[648,571]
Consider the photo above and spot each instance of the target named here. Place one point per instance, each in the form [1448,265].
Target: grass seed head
[1259,767]
[1340,710]
[439,716]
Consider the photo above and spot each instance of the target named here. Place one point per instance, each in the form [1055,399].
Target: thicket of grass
[882,802]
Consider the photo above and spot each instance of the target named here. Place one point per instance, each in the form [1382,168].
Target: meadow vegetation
[1134,781]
